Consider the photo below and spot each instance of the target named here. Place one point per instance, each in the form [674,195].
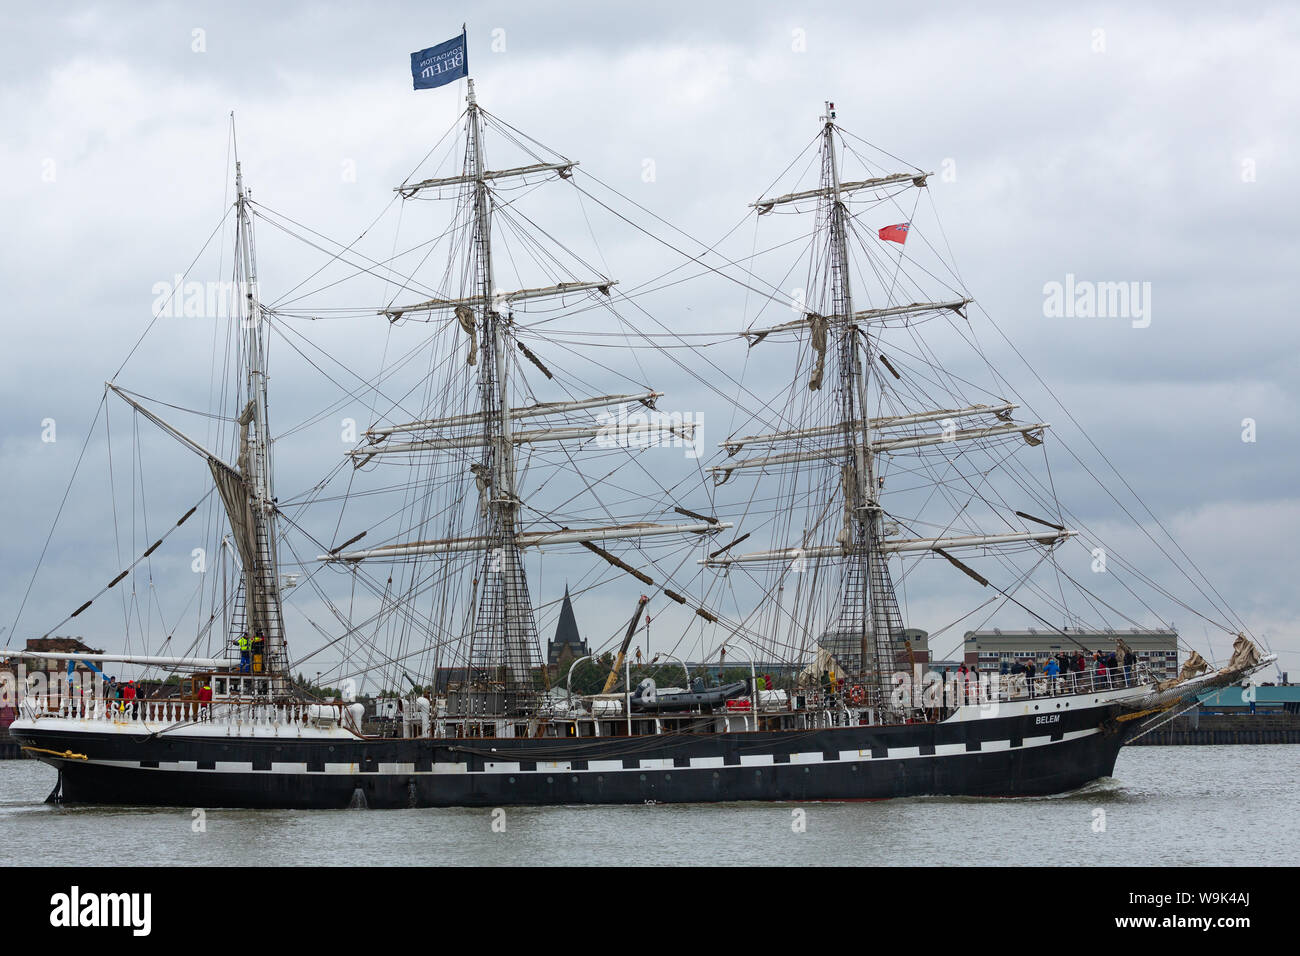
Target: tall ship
[857,456]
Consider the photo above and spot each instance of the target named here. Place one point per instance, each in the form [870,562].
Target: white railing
[985,688]
[1075,682]
[172,711]
[997,687]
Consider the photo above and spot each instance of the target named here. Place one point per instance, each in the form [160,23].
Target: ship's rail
[1000,688]
[987,687]
[172,711]
[823,706]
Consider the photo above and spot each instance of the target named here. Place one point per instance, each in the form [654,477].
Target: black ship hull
[1014,756]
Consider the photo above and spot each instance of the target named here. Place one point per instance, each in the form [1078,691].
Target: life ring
[857,695]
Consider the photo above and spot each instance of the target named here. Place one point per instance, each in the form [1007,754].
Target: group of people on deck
[1067,672]
[1064,673]
[121,693]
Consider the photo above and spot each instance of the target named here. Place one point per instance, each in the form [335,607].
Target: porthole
[758,773]
[642,776]
[573,779]
[512,779]
[550,780]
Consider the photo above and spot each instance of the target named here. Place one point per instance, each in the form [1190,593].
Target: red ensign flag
[896,233]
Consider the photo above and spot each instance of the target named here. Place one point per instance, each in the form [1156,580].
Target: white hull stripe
[615,766]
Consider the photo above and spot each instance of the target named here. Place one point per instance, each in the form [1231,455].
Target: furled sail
[239,509]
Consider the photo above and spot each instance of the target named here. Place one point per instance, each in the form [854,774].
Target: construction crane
[627,640]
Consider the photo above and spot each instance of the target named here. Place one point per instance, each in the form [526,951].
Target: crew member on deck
[243,645]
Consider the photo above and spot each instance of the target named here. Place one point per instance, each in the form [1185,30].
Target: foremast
[843,437]
[868,605]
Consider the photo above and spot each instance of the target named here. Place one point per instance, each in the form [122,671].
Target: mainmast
[504,627]
[501,630]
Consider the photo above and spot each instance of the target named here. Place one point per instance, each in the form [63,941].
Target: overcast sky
[1128,142]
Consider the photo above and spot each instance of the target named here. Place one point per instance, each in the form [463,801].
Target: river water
[1234,805]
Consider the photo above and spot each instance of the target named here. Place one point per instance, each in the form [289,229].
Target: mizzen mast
[252,508]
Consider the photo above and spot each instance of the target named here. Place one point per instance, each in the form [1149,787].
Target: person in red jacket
[205,700]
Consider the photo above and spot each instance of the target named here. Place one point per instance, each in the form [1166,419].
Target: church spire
[567,637]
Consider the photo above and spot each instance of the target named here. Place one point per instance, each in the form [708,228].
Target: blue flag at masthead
[440,64]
